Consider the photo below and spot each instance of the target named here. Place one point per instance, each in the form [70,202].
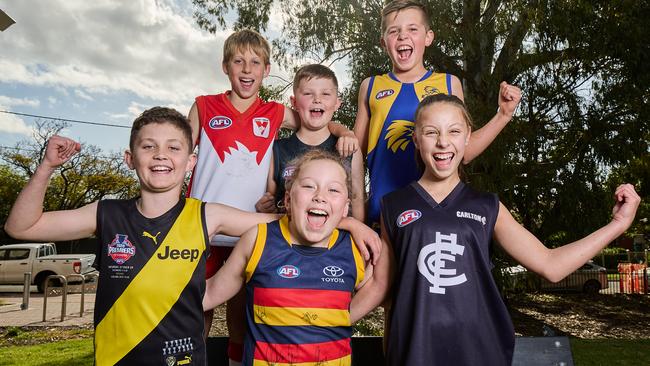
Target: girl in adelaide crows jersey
[446,308]
[299,272]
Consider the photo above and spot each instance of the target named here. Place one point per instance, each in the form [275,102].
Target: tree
[581,65]
[87,177]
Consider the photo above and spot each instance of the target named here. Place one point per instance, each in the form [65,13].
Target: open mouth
[161,169]
[404,52]
[443,157]
[246,82]
[317,218]
[316,112]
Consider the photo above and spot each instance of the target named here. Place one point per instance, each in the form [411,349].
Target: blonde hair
[246,39]
[399,5]
[318,154]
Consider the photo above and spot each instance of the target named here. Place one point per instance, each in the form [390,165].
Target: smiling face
[405,37]
[246,70]
[315,99]
[161,157]
[316,201]
[441,135]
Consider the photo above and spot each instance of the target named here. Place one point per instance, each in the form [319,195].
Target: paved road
[11,298]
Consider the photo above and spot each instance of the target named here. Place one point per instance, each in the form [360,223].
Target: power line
[65,119]
[115,155]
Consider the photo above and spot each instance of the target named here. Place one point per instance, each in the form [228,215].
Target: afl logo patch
[408,217]
[220,122]
[121,249]
[333,271]
[384,93]
[288,271]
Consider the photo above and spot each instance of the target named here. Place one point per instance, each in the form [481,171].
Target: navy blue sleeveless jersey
[148,307]
[287,149]
[298,299]
[446,307]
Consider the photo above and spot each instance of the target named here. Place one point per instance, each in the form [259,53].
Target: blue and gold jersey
[298,299]
[391,154]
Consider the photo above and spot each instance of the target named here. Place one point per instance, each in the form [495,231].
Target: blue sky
[105,61]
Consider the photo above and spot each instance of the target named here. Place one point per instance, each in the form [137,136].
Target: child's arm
[266,203]
[555,264]
[28,221]
[374,289]
[361,123]
[230,278]
[347,142]
[194,123]
[365,238]
[357,174]
[223,219]
[509,97]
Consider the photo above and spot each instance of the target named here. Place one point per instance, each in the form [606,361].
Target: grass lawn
[610,352]
[77,352]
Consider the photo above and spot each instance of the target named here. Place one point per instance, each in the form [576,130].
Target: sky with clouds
[104,61]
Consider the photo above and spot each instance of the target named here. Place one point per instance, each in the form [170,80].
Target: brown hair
[246,39]
[434,99]
[161,115]
[318,154]
[314,71]
[399,5]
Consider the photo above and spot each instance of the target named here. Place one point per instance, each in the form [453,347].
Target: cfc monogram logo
[433,258]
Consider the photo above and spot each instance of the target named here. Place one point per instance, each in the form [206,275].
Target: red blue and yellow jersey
[298,299]
[391,153]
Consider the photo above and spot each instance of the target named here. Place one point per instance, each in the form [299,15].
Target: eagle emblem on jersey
[399,134]
[429,90]
[121,249]
[433,259]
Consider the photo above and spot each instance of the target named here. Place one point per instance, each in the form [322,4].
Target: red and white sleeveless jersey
[234,153]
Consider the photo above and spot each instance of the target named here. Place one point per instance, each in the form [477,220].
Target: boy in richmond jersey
[299,272]
[234,132]
[151,249]
[387,103]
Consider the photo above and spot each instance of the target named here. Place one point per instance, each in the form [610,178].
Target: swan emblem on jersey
[399,134]
[261,127]
[433,260]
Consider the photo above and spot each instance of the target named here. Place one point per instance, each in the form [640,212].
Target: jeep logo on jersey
[220,122]
[175,254]
[288,271]
[261,127]
[333,271]
[408,217]
[384,93]
[121,249]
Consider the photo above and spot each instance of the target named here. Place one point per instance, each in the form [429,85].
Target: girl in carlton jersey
[446,308]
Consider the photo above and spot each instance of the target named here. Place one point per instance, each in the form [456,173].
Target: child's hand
[367,241]
[509,97]
[347,144]
[627,202]
[59,150]
[266,203]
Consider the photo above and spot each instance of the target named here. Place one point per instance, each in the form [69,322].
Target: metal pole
[83,288]
[26,284]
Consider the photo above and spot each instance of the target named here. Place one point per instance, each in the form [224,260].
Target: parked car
[590,278]
[41,260]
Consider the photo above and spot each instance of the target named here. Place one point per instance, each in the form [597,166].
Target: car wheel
[591,287]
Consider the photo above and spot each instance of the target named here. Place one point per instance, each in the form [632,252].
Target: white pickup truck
[41,260]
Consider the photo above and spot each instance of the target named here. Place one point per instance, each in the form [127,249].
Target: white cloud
[10,123]
[9,101]
[105,47]
[81,94]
